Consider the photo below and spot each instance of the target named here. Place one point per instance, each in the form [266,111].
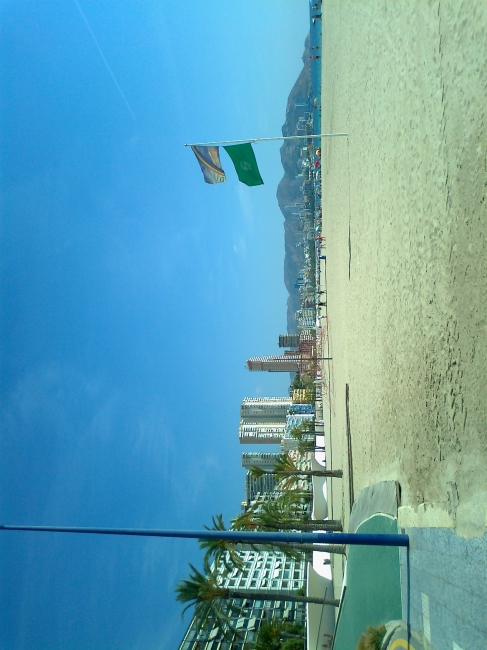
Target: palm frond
[245,521]
[269,636]
[223,552]
[296,433]
[203,592]
[305,446]
[285,463]
[256,472]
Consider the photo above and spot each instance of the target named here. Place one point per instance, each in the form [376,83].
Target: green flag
[243,158]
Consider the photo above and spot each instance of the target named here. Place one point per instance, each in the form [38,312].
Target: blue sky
[131,295]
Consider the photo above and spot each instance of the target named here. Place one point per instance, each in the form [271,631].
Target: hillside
[287,194]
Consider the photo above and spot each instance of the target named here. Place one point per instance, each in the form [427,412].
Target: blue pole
[234,535]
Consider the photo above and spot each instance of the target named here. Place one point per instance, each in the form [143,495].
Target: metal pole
[233,535]
[282,137]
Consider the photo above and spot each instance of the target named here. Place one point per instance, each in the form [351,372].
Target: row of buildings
[264,570]
[263,420]
[268,420]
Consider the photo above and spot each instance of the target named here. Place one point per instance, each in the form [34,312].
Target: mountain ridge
[287,194]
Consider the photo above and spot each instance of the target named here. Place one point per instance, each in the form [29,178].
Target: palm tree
[306,427]
[204,595]
[269,636]
[306,438]
[289,474]
[286,512]
[306,433]
[308,446]
[221,551]
[332,549]
[211,598]
[272,633]
[289,502]
[272,515]
[227,552]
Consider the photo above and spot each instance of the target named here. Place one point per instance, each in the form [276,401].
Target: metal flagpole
[282,137]
[234,535]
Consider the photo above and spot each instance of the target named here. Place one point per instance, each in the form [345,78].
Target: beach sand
[408,328]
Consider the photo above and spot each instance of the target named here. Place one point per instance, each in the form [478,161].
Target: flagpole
[253,140]
[243,536]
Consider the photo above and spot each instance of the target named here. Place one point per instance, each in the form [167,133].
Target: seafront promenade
[404,212]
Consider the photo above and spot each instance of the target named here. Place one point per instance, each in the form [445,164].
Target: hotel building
[288,362]
[269,433]
[288,340]
[259,459]
[265,409]
[266,571]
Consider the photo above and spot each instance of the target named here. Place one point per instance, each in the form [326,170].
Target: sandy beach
[404,216]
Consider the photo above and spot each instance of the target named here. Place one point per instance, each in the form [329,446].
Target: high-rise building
[265,409]
[267,433]
[257,486]
[259,459]
[263,419]
[306,323]
[301,404]
[263,570]
[296,207]
[305,313]
[287,363]
[289,444]
[288,340]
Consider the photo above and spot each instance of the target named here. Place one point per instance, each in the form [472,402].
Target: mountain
[287,194]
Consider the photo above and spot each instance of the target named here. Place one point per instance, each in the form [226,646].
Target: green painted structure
[373,591]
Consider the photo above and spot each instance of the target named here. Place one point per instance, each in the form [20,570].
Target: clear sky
[131,295]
